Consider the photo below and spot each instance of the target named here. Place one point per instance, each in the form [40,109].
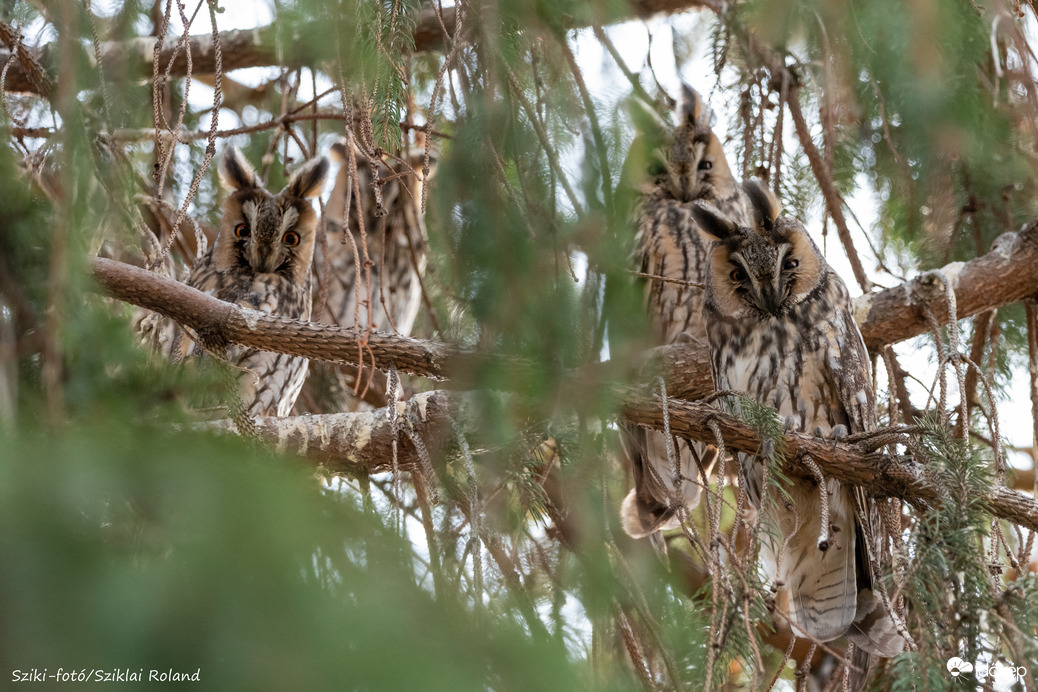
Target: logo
[1006,673]
[957,667]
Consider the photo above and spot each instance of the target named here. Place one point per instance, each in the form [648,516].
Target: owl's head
[686,158]
[263,233]
[763,271]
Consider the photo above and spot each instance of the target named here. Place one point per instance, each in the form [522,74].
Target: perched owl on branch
[781,330]
[670,168]
[396,238]
[261,259]
[398,249]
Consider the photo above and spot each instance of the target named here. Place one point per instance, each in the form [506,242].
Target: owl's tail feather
[873,629]
[822,584]
[860,666]
[642,517]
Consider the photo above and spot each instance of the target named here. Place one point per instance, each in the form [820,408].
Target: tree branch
[256,47]
[361,443]
[1007,274]
[218,322]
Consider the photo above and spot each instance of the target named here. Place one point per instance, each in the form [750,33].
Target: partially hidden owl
[781,330]
[262,260]
[398,250]
[669,169]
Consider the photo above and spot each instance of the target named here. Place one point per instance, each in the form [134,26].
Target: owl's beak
[262,262]
[771,299]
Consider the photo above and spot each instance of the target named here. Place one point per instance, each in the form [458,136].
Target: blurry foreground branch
[258,47]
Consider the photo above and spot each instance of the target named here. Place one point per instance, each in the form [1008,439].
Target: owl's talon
[788,424]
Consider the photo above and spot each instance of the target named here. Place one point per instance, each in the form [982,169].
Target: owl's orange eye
[737,275]
[290,239]
[242,230]
[790,264]
[705,165]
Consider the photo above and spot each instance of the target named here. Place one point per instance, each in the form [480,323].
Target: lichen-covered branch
[1007,274]
[360,443]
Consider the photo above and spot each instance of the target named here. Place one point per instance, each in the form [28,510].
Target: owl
[669,169]
[397,245]
[781,330]
[261,259]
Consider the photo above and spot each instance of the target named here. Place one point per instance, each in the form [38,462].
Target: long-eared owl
[397,245]
[781,330]
[261,259]
[669,169]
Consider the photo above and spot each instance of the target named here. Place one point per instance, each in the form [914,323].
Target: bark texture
[1006,274]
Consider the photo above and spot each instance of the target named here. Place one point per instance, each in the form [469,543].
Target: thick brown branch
[879,473]
[1005,275]
[31,69]
[256,47]
[219,322]
[361,443]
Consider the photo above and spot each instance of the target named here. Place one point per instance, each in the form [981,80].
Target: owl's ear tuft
[713,224]
[338,151]
[694,109]
[308,179]
[763,204]
[236,173]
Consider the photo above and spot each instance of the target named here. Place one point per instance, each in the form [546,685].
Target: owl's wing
[651,506]
[852,373]
[873,629]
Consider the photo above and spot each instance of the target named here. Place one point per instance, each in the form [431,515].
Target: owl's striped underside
[685,165]
[261,259]
[781,330]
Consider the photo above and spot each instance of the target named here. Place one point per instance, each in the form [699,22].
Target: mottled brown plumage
[261,259]
[781,330]
[397,246]
[671,168]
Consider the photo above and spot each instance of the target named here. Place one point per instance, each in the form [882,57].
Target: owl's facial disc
[763,277]
[266,249]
